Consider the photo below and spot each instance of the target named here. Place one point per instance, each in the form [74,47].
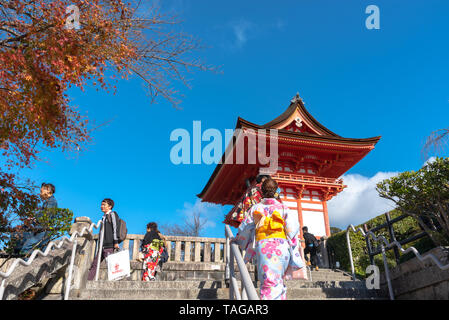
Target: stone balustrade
[181,249]
[205,255]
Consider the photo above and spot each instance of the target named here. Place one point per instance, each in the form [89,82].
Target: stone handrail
[21,274]
[182,249]
[385,244]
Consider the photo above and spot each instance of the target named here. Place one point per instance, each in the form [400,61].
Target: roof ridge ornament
[296,98]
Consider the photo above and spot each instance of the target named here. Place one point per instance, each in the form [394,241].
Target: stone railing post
[178,251]
[197,257]
[136,247]
[217,251]
[57,284]
[168,242]
[324,255]
[187,251]
[83,259]
[207,248]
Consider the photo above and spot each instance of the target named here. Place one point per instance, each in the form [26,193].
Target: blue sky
[359,83]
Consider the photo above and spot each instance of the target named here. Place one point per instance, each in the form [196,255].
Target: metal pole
[236,287]
[228,249]
[392,236]
[246,278]
[2,289]
[387,272]
[256,273]
[244,295]
[100,250]
[231,274]
[69,276]
[350,254]
[368,246]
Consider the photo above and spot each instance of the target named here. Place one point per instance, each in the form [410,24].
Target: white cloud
[173,8]
[360,201]
[244,30]
[240,28]
[430,160]
[279,24]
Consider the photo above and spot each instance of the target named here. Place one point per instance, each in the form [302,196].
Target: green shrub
[56,221]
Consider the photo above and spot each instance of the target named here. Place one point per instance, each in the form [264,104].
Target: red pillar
[326,219]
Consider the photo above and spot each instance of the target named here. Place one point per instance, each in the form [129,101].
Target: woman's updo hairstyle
[269,187]
[152,226]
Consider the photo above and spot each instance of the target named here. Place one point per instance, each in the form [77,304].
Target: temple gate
[310,160]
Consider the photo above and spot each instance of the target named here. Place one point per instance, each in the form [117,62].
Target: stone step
[161,277]
[294,284]
[329,298]
[330,278]
[211,266]
[156,294]
[150,285]
[212,290]
[206,284]
[168,275]
[187,280]
[212,271]
[220,294]
[332,293]
[213,275]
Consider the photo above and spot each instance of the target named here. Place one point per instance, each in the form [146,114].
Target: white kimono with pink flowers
[270,232]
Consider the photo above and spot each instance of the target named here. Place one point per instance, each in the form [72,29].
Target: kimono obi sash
[269,227]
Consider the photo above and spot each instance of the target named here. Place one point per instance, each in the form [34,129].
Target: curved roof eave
[242,122]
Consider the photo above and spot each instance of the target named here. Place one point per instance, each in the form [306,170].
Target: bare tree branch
[191,228]
[436,142]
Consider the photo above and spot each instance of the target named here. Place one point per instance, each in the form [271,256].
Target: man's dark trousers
[93,269]
[314,260]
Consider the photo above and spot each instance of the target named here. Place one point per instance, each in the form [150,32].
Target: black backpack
[164,256]
[122,230]
[311,239]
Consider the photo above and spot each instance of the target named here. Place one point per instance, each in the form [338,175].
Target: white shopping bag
[118,265]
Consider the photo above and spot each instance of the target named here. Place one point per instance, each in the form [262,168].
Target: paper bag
[118,265]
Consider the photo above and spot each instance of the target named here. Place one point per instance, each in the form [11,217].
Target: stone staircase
[205,281]
[196,271]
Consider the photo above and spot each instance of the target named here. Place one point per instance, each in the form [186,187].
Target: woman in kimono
[270,232]
[152,247]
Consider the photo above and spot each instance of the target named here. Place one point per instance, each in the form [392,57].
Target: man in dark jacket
[110,235]
[311,247]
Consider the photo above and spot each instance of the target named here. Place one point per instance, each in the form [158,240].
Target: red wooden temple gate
[310,159]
